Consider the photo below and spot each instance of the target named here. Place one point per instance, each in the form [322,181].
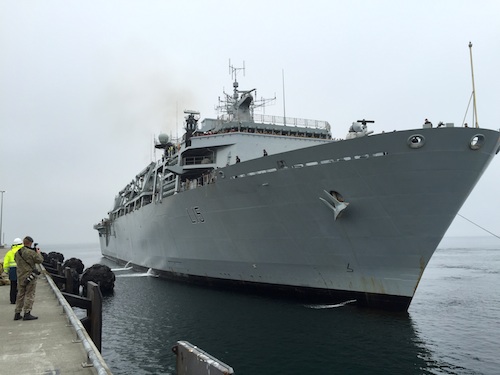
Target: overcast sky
[85,86]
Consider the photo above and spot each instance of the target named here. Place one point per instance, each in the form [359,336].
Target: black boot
[28,316]
[17,316]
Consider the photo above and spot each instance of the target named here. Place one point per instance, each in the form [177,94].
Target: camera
[32,276]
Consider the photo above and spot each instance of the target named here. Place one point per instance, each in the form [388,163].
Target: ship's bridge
[274,125]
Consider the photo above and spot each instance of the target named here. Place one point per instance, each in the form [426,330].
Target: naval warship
[274,205]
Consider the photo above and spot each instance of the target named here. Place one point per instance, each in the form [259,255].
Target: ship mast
[234,72]
[239,106]
[473,86]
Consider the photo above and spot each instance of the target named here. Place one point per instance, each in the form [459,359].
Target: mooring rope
[479,226]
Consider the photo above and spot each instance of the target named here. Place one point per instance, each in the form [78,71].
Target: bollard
[193,361]
[69,288]
[93,304]
[95,296]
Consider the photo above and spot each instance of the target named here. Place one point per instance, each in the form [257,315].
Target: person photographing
[26,259]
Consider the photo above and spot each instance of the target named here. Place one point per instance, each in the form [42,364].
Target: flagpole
[473,86]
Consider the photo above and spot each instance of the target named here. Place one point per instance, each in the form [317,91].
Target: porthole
[476,142]
[416,141]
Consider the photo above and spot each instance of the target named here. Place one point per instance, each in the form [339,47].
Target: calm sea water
[452,326]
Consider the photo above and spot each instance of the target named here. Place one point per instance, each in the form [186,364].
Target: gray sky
[84,87]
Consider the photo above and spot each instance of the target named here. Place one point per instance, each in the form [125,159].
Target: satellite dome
[163,138]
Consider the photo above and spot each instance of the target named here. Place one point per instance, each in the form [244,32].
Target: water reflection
[146,317]
[451,328]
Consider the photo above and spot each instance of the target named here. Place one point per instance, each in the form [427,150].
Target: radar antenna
[234,71]
[240,105]
[262,102]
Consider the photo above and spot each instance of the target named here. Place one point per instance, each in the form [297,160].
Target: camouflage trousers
[25,296]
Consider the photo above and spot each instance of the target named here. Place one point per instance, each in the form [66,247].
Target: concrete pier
[55,343]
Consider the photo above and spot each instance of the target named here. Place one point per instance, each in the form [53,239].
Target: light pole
[1,220]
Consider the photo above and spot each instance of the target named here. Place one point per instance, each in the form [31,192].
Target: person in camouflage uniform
[26,258]
[4,278]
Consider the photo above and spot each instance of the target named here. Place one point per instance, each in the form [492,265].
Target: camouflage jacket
[26,259]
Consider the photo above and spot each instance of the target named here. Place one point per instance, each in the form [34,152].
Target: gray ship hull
[273,228]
